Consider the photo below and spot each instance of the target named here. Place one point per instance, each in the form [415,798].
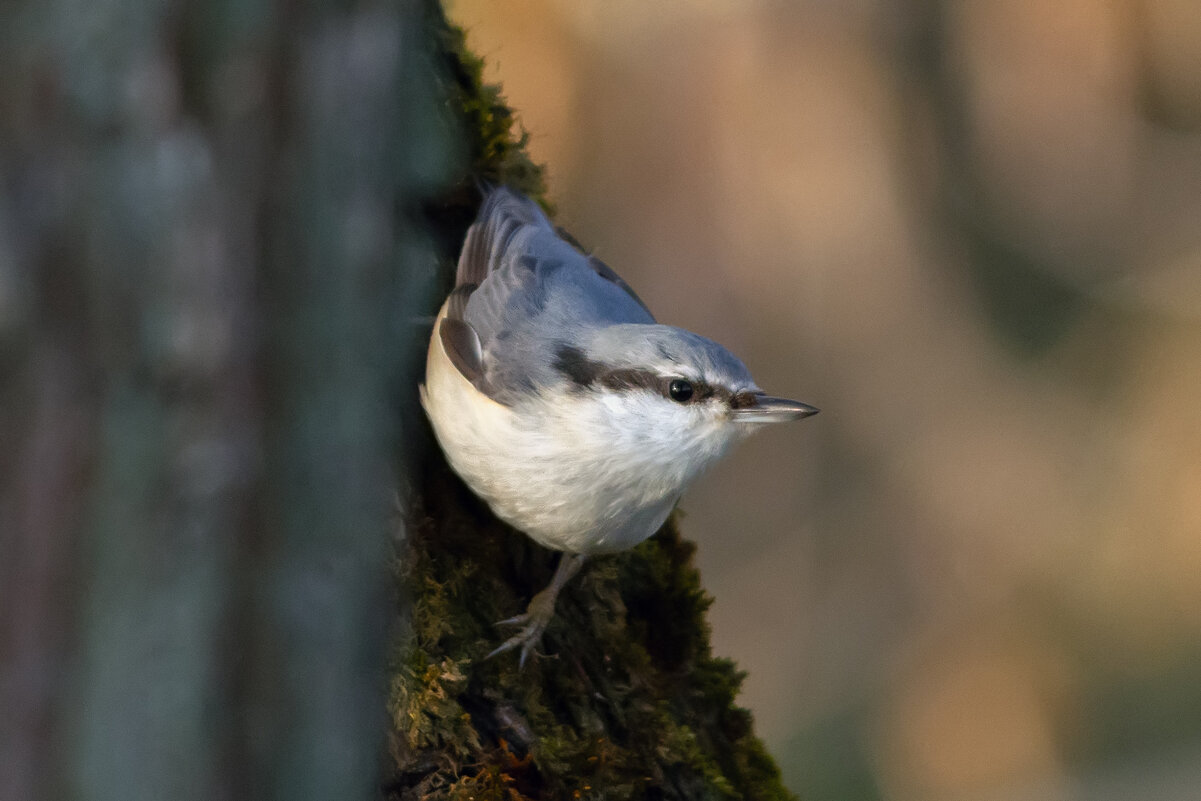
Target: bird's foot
[533,622]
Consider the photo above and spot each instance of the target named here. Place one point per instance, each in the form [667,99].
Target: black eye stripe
[701,391]
[583,372]
[631,379]
[577,367]
[743,400]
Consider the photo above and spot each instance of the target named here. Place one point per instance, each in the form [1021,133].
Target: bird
[560,401]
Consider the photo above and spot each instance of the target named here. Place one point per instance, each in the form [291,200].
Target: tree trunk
[207,271]
[221,227]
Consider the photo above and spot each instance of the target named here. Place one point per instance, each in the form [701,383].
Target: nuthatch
[563,404]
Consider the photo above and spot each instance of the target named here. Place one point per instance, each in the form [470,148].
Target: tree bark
[221,227]
[207,262]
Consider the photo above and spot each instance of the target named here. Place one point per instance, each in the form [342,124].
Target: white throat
[584,471]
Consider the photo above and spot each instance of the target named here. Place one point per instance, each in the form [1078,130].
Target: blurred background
[971,234]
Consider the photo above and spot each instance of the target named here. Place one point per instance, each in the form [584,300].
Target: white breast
[559,471]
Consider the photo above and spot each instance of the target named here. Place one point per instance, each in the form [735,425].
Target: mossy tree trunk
[220,228]
[628,701]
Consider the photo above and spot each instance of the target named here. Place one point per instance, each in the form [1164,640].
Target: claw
[538,614]
[534,620]
[527,646]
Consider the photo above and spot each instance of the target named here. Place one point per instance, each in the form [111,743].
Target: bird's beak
[772,410]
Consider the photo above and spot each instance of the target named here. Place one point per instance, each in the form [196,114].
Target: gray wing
[522,293]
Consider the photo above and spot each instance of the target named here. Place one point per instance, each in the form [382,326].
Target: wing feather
[462,347]
[502,215]
[522,291]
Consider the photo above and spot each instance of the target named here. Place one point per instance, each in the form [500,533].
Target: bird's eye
[680,390]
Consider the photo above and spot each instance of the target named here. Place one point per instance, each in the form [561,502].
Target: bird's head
[666,395]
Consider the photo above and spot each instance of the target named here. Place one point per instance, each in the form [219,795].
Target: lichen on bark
[627,699]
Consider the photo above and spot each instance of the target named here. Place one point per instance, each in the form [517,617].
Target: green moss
[495,139]
[627,700]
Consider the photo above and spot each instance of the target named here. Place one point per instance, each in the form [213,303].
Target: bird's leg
[542,607]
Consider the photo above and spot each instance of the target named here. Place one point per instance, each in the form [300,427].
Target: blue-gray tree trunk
[207,271]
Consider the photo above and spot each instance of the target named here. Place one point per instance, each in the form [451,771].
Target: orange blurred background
[971,234]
